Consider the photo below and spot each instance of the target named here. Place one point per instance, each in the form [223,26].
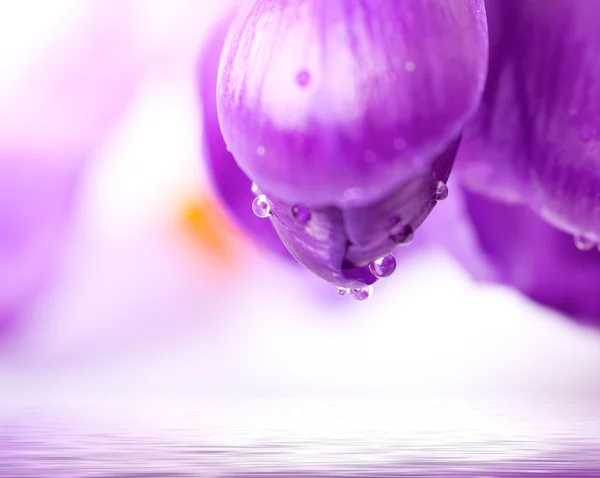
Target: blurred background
[132,307]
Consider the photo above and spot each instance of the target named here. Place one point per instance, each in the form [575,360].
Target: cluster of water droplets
[361,294]
[401,234]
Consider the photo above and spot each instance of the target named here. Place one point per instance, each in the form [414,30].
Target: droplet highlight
[362,294]
[343,291]
[301,214]
[404,236]
[584,244]
[261,207]
[383,267]
[254,188]
[441,191]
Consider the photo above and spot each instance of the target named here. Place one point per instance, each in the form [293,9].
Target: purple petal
[230,183]
[535,139]
[326,102]
[511,245]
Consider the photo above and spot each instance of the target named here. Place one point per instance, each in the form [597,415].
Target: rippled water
[301,438]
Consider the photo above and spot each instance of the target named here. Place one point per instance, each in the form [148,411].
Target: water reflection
[297,438]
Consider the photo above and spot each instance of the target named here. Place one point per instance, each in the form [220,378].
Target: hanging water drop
[301,214]
[383,267]
[441,191]
[343,291]
[362,294]
[404,236]
[583,243]
[261,207]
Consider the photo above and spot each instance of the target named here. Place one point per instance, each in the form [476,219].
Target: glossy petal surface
[337,102]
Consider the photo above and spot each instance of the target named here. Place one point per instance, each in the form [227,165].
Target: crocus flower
[535,139]
[347,116]
[232,186]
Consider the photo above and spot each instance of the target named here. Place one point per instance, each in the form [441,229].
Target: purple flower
[348,116]
[535,139]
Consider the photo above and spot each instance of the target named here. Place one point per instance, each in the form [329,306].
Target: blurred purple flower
[348,117]
[53,118]
[535,139]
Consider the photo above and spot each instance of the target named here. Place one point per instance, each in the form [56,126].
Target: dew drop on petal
[301,214]
[254,188]
[383,267]
[261,151]
[261,207]
[404,236]
[362,294]
[343,291]
[441,191]
[410,66]
[583,243]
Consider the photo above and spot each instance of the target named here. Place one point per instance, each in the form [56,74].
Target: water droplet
[383,267]
[261,151]
[362,294]
[343,291]
[583,243]
[399,144]
[370,156]
[301,214]
[254,188]
[441,191]
[261,207]
[404,236]
[303,78]
[410,66]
